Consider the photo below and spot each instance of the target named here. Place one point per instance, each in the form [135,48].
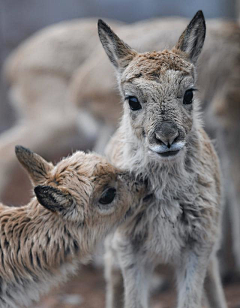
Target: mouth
[165,152]
[168,153]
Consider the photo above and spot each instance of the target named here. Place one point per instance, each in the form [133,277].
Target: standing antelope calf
[161,137]
[78,202]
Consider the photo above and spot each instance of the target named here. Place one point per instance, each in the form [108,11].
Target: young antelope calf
[161,137]
[77,203]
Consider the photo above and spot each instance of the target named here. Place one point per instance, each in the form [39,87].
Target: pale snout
[166,140]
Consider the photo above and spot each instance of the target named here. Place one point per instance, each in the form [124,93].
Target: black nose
[167,134]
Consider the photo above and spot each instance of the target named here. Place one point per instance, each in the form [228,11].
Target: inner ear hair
[53,198]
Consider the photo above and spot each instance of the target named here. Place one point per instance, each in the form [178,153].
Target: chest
[165,227]
[179,213]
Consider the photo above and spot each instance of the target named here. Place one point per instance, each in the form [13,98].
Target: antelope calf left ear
[37,168]
[192,39]
[52,198]
[119,53]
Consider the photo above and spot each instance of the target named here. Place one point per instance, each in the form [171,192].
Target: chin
[166,157]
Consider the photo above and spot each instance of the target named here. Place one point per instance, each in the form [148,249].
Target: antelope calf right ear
[119,53]
[53,198]
[37,168]
[59,200]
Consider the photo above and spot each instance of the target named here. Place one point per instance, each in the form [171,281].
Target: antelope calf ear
[37,168]
[53,199]
[119,53]
[192,39]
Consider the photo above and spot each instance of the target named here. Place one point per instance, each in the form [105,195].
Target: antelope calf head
[83,189]
[158,89]
[78,202]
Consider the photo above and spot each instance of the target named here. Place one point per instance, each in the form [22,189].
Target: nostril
[161,139]
[167,139]
[175,138]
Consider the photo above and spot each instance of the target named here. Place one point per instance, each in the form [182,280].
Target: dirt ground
[87,290]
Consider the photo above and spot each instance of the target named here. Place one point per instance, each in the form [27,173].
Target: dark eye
[108,196]
[188,96]
[134,103]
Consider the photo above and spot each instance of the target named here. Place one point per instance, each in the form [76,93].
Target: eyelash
[192,89]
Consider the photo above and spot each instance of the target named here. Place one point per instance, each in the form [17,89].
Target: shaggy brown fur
[43,242]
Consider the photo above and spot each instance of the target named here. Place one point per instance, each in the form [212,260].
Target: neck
[161,172]
[37,246]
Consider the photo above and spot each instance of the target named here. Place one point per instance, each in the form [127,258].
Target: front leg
[213,285]
[136,275]
[191,273]
[113,276]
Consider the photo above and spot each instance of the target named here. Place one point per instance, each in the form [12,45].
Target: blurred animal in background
[161,137]
[60,80]
[39,72]
[77,203]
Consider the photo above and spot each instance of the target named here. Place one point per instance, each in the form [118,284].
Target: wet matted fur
[77,203]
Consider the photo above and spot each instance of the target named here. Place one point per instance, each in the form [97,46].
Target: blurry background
[18,21]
